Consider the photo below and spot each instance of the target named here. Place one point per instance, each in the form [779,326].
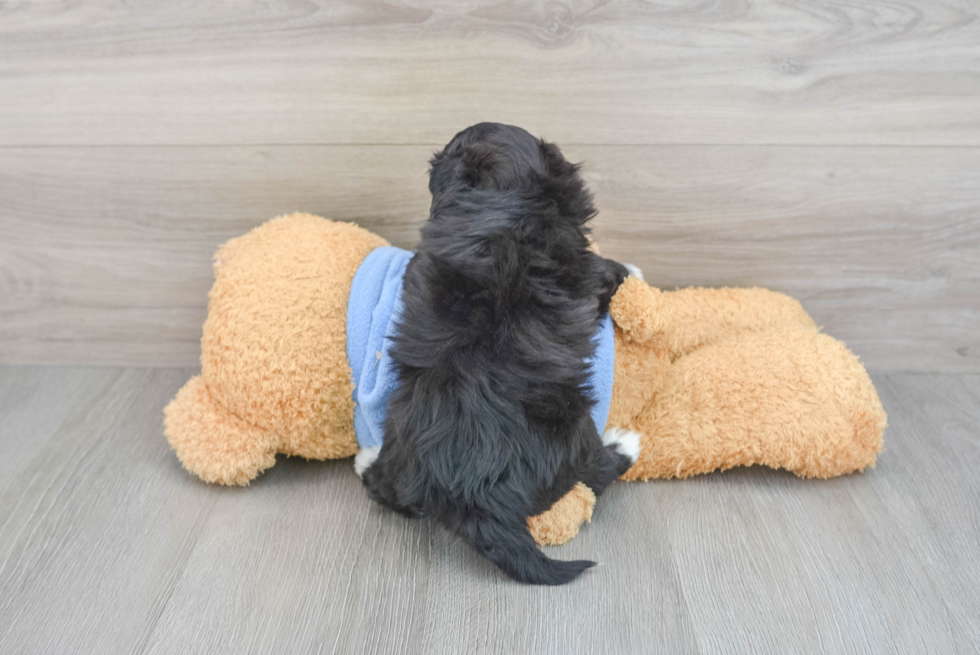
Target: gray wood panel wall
[828,151]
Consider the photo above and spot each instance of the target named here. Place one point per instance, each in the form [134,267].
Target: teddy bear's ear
[639,310]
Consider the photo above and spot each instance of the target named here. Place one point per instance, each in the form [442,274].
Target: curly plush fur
[491,422]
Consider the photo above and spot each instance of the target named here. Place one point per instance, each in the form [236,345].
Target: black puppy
[491,421]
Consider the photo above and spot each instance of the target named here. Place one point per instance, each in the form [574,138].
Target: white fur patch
[365,458]
[626,442]
[634,270]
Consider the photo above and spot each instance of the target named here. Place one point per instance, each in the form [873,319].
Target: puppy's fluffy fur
[491,421]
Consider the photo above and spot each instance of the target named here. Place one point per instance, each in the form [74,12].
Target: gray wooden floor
[108,546]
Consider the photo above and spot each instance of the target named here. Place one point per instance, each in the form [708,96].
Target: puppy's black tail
[511,547]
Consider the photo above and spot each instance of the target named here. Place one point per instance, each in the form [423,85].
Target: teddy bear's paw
[364,459]
[625,442]
[634,270]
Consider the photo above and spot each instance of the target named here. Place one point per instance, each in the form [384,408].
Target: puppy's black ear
[475,166]
[565,187]
[479,167]
[440,173]
[554,162]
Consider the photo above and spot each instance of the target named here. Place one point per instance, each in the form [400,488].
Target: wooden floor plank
[26,396]
[311,565]
[583,71]
[106,255]
[631,602]
[107,545]
[875,562]
[933,497]
[98,522]
[286,566]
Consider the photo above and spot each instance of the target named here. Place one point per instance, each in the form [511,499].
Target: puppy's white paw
[625,442]
[365,458]
[634,270]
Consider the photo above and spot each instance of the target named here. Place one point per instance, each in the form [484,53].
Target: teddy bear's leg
[562,522]
[699,317]
[789,398]
[212,443]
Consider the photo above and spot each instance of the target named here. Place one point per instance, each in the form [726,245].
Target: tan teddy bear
[711,378]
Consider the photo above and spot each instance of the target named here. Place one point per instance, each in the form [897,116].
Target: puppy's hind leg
[364,459]
[611,274]
[620,450]
[384,483]
[625,444]
[634,270]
